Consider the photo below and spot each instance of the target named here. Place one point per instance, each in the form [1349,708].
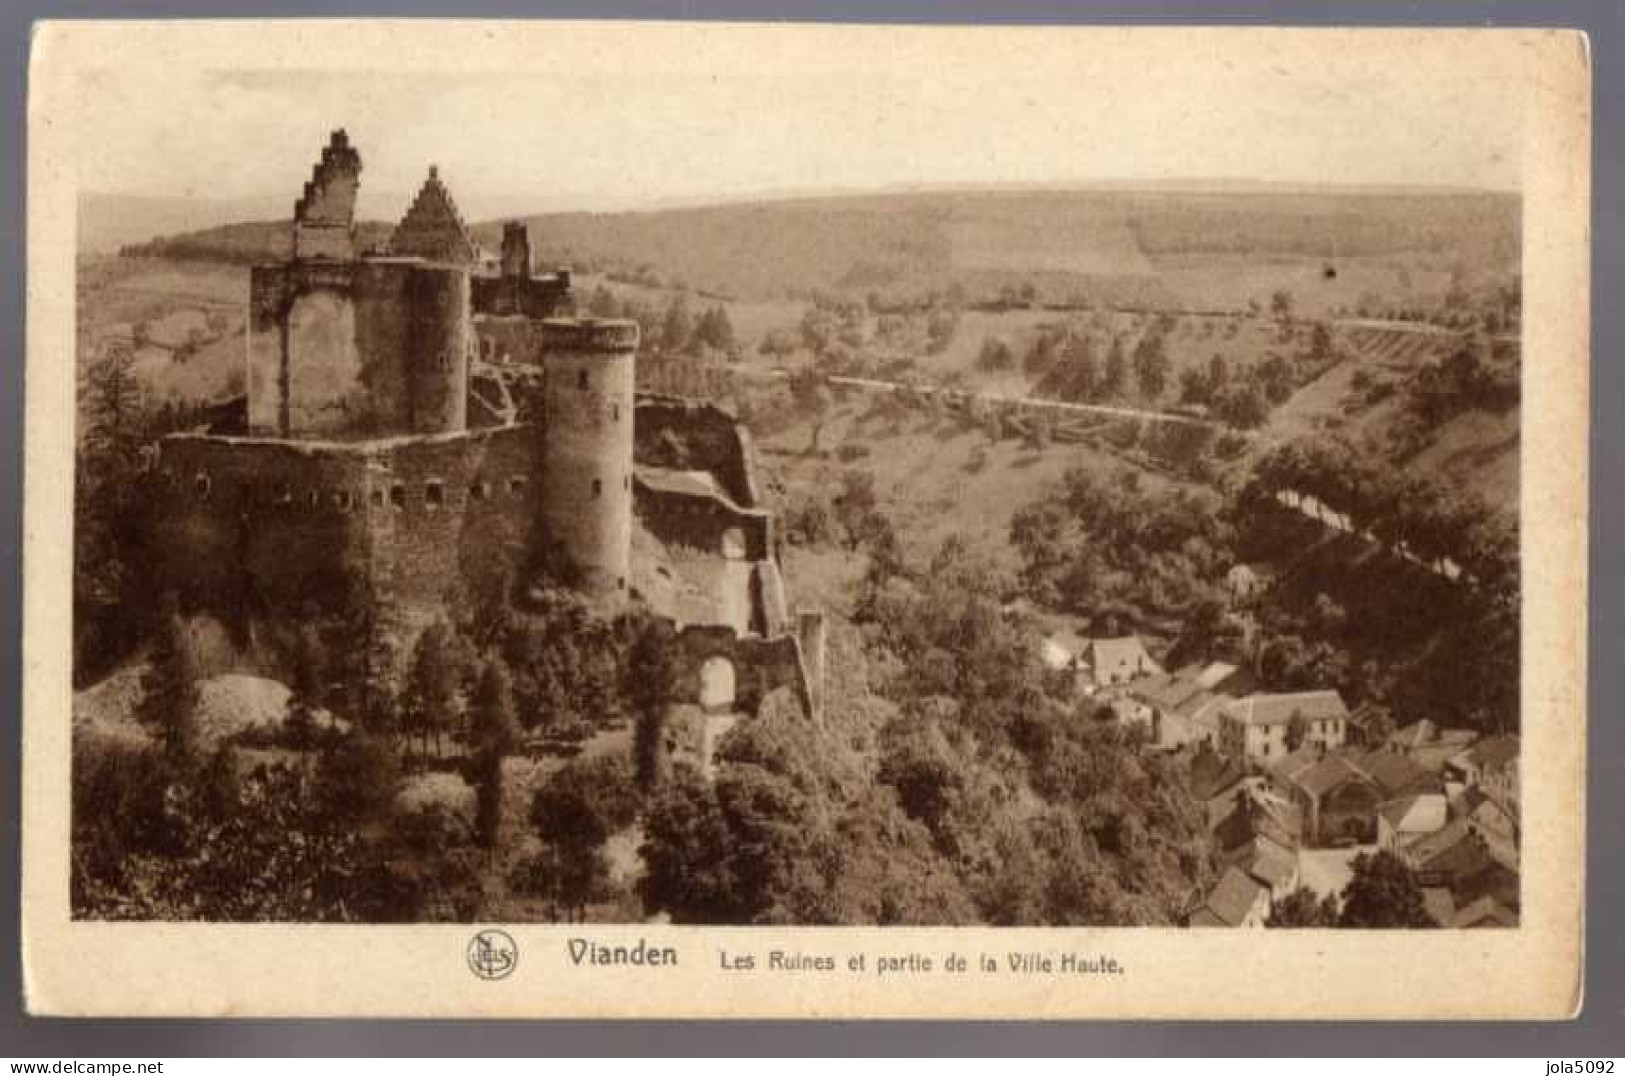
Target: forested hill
[1099,245]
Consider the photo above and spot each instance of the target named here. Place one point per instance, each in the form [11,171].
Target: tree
[1301,908]
[602,303]
[685,853]
[568,819]
[305,694]
[1383,893]
[431,687]
[1320,343]
[169,690]
[1242,406]
[1116,378]
[810,392]
[678,325]
[492,734]
[1081,371]
[492,728]
[1151,365]
[1041,355]
[650,672]
[1281,305]
[1218,375]
[995,356]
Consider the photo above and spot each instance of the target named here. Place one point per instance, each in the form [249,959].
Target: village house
[1272,865]
[1246,583]
[1257,812]
[1403,820]
[1454,870]
[1396,775]
[1237,900]
[1494,824]
[1429,746]
[1486,911]
[1183,707]
[1216,781]
[1491,764]
[1261,726]
[1109,662]
[1337,798]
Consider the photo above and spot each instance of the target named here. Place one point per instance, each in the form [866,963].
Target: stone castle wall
[260,529]
[705,523]
[352,350]
[691,435]
[761,665]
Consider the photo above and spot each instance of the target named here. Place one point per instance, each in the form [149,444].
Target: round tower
[587,472]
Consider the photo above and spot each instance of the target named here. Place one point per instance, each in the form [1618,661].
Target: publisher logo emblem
[492,954]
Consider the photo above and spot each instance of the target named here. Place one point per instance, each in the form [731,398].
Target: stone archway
[718,683]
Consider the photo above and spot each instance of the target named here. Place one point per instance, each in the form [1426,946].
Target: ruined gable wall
[711,441]
[761,666]
[505,340]
[532,297]
[701,523]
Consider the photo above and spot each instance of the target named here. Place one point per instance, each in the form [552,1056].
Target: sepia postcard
[552,519]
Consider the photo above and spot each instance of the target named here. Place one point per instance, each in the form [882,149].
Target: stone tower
[515,250]
[587,476]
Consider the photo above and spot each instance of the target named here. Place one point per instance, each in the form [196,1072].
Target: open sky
[607,117]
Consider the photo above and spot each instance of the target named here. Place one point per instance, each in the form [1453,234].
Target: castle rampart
[261,528]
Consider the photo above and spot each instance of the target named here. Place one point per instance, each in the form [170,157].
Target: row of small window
[434,493]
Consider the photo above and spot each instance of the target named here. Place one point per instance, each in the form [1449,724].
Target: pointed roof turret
[433,228]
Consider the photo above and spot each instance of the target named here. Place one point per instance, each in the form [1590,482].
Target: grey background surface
[1600,1030]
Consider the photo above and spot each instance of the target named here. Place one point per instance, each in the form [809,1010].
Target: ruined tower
[587,477]
[324,215]
[515,250]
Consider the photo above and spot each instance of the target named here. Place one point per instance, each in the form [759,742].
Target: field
[1194,249]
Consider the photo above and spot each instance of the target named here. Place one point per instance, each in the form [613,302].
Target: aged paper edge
[133,969]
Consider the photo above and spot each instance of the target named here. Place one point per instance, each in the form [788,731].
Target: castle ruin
[421,423]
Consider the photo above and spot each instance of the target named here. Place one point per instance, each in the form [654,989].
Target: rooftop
[1493,752]
[1234,896]
[1396,773]
[1269,709]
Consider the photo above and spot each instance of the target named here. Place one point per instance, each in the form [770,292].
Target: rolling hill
[1151,247]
